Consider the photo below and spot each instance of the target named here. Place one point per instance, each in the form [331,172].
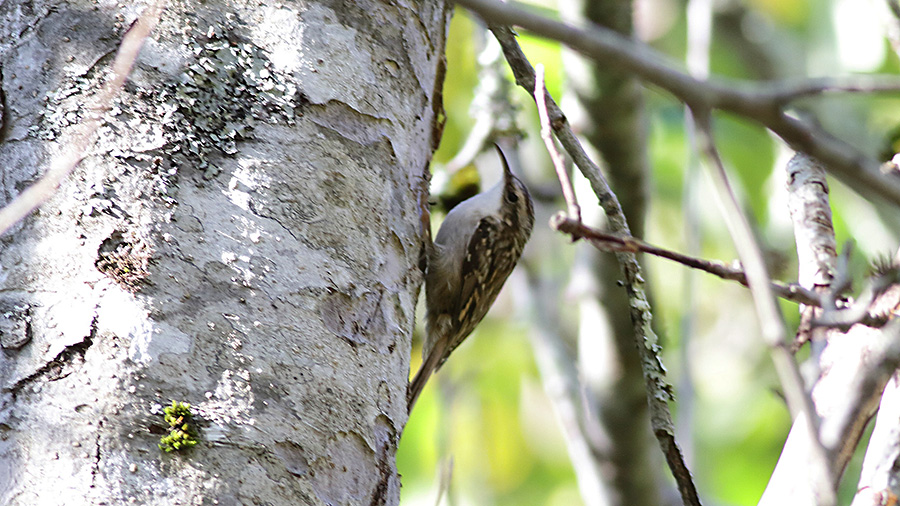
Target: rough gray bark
[245,236]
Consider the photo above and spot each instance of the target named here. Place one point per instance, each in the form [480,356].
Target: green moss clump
[182,431]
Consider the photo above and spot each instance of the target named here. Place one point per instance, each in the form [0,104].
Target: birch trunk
[245,236]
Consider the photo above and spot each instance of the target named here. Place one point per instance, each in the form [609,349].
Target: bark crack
[61,366]
[5,123]
[386,472]
[95,465]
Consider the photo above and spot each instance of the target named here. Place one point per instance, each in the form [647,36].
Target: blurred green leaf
[749,150]
[793,13]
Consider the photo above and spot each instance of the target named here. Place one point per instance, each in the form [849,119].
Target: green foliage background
[485,415]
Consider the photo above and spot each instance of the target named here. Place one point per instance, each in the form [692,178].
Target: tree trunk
[245,236]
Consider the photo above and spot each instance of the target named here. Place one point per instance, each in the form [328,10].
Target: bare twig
[771,323]
[659,392]
[863,310]
[612,242]
[786,91]
[555,157]
[860,312]
[65,163]
[763,103]
[895,8]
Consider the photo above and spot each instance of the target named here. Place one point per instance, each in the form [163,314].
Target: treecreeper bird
[475,250]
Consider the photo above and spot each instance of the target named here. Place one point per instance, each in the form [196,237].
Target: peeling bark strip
[811,215]
[810,211]
[244,235]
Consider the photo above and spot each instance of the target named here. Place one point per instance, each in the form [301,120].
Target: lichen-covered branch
[659,392]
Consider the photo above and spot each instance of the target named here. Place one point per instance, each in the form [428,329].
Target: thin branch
[611,242]
[555,157]
[771,323]
[894,5]
[659,392]
[862,311]
[64,164]
[760,102]
[786,91]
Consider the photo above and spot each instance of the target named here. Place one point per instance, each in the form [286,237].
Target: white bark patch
[231,402]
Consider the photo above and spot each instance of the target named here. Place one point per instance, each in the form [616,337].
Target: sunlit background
[484,431]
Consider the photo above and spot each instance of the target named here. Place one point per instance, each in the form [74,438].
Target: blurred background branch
[809,72]
[760,102]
